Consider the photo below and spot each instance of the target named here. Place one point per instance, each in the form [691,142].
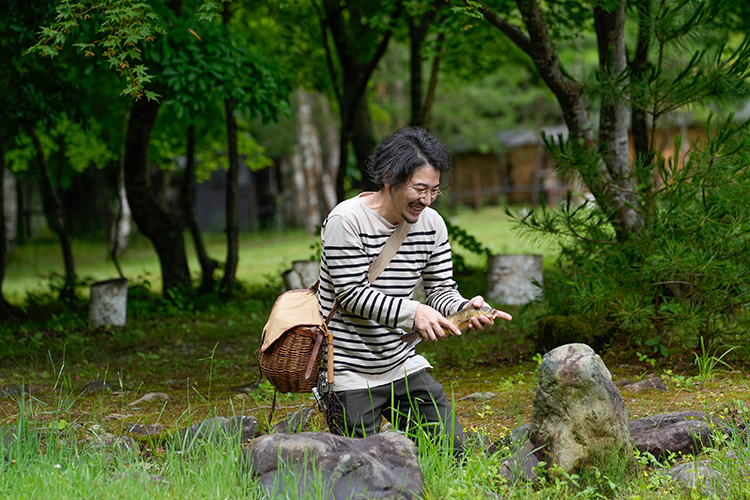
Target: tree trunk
[10,207]
[6,310]
[232,188]
[309,160]
[432,86]
[418,28]
[608,186]
[53,211]
[349,35]
[331,162]
[639,66]
[232,204]
[119,236]
[187,199]
[615,117]
[159,226]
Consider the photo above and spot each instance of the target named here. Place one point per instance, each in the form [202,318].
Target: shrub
[686,273]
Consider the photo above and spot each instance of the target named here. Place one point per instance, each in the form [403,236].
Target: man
[376,374]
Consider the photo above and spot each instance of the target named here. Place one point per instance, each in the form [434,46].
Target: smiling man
[375,373]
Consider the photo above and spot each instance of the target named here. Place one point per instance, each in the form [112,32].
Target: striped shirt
[367,328]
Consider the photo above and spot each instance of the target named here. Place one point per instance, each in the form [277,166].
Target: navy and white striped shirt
[367,328]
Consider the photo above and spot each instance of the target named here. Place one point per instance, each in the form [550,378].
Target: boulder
[684,432]
[328,466]
[578,412]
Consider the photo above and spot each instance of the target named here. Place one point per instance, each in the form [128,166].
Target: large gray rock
[680,433]
[578,412]
[335,467]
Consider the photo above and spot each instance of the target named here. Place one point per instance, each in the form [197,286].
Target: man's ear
[386,182]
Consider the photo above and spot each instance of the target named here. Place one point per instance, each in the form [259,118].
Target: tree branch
[511,31]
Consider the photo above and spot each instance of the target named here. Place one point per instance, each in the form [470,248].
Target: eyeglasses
[423,192]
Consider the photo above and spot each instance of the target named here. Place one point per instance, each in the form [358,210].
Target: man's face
[408,201]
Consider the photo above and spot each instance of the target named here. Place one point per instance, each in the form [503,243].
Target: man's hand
[429,324]
[481,322]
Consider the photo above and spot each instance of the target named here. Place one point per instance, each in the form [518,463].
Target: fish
[460,319]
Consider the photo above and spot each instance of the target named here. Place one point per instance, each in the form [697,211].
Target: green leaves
[122,26]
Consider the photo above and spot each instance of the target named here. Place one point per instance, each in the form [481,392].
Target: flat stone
[324,465]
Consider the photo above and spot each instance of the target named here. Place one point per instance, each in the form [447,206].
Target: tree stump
[510,279]
[303,274]
[109,303]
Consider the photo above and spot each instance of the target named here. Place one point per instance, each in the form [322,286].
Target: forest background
[120,111]
[108,102]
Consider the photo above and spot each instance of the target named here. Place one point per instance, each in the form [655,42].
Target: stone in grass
[143,478]
[217,430]
[648,383]
[684,432]
[95,386]
[701,475]
[146,429]
[111,444]
[478,396]
[151,396]
[328,466]
[15,391]
[296,422]
[578,413]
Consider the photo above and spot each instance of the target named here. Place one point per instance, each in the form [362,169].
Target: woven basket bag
[290,350]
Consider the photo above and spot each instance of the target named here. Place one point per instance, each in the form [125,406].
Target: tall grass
[74,461]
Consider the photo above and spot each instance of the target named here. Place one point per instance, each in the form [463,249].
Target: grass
[262,255]
[76,460]
[200,353]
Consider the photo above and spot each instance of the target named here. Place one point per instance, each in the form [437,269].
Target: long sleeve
[372,317]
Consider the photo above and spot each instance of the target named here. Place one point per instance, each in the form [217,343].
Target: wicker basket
[292,362]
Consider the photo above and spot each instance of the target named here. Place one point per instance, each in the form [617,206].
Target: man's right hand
[429,324]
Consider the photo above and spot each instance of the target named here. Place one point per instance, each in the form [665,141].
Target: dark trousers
[416,398]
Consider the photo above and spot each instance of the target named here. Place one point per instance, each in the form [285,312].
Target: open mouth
[416,208]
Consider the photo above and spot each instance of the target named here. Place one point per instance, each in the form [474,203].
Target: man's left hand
[482,322]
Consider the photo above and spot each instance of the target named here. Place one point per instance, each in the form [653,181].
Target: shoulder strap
[389,250]
[376,267]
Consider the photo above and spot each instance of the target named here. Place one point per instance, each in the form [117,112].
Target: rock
[513,441]
[142,478]
[146,429]
[478,396]
[682,432]
[578,412]
[95,386]
[522,465]
[151,396]
[648,383]
[296,422]
[14,391]
[219,429]
[328,466]
[700,476]
[112,444]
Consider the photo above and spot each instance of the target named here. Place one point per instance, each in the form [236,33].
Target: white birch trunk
[10,208]
[311,160]
[119,235]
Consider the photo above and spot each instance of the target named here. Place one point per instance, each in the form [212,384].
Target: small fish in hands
[460,319]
